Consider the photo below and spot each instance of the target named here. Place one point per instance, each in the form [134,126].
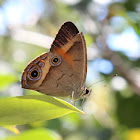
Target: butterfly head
[86,93]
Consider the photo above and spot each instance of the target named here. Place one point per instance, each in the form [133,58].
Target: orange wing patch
[64,55]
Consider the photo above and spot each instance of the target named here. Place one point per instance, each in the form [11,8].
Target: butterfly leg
[72,99]
[83,102]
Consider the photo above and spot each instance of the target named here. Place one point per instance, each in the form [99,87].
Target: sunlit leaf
[36,134]
[32,108]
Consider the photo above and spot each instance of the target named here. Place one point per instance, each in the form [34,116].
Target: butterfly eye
[55,60]
[34,74]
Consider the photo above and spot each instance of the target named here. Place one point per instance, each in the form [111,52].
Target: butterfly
[61,71]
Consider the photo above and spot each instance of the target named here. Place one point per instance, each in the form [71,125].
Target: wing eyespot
[34,73]
[55,60]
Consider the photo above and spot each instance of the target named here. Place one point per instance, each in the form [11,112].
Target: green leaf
[36,134]
[6,80]
[32,108]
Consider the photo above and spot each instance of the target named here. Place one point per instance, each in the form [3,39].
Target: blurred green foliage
[127,111]
[6,80]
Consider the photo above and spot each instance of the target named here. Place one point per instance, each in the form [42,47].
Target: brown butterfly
[62,70]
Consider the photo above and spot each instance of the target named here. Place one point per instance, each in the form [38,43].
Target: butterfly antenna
[102,80]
